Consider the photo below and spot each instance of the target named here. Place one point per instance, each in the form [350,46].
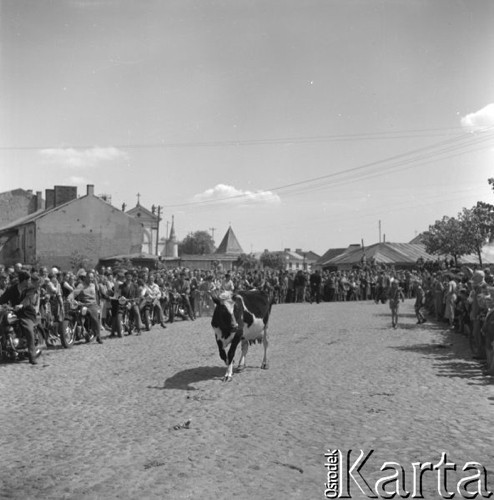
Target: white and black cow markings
[240,318]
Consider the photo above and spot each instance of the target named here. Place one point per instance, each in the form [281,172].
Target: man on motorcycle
[130,291]
[16,296]
[182,286]
[154,293]
[86,293]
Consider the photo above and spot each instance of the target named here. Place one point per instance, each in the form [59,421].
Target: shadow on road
[183,380]
[452,356]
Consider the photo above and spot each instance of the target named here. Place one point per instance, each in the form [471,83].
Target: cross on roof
[138,198]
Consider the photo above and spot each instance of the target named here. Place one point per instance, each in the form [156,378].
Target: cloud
[480,120]
[80,158]
[74,179]
[229,194]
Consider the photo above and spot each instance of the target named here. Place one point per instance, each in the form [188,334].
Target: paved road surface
[97,422]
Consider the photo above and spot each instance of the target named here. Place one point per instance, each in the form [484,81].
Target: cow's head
[227,312]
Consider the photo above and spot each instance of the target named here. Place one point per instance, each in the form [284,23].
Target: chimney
[90,189]
[63,194]
[286,250]
[124,206]
[39,201]
[298,250]
[49,198]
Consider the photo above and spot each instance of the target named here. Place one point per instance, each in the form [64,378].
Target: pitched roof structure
[332,253]
[384,253]
[396,254]
[229,244]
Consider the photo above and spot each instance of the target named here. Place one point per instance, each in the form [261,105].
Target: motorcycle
[53,330]
[147,312]
[76,324]
[13,342]
[176,307]
[123,309]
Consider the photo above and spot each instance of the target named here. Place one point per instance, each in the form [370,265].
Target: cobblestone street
[97,422]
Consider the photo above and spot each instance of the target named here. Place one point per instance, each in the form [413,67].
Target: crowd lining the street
[457,296]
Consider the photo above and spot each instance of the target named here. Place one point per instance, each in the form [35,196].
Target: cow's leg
[265,344]
[245,348]
[231,355]
[221,350]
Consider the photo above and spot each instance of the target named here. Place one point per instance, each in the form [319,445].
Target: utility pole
[158,227]
[167,224]
[212,229]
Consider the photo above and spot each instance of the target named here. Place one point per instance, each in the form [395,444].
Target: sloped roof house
[86,226]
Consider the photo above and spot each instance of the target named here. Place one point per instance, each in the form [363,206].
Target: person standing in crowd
[438,290]
[105,290]
[331,287]
[227,283]
[315,281]
[474,299]
[419,302]
[450,301]
[86,292]
[395,295]
[17,295]
[299,284]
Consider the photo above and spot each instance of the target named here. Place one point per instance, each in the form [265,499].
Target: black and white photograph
[246,249]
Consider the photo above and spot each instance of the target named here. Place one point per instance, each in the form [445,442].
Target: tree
[478,227]
[197,243]
[246,261]
[274,260]
[447,237]
[78,260]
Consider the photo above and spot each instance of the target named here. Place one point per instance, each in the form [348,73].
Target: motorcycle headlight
[84,311]
[122,300]
[11,318]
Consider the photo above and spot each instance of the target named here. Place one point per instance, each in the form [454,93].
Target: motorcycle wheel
[67,334]
[147,321]
[89,336]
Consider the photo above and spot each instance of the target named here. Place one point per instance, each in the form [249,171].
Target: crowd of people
[452,295]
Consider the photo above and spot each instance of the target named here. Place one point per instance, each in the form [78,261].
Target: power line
[385,135]
[455,144]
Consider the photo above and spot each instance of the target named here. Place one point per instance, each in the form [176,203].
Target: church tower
[171,245]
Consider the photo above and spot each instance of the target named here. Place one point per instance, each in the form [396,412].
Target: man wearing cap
[16,295]
[86,293]
[130,291]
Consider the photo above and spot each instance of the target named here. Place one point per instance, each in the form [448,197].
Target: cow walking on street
[240,317]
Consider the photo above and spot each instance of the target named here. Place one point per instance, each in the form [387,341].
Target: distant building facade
[150,221]
[85,226]
[19,203]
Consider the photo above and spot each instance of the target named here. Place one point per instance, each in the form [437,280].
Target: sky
[311,124]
